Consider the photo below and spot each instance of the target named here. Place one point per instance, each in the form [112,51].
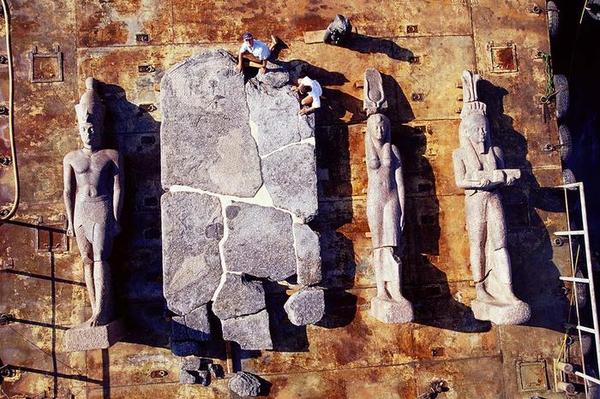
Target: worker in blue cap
[255,51]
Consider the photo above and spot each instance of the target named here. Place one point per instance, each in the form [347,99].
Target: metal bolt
[414,60]
[142,38]
[5,160]
[159,373]
[3,59]
[146,68]
[4,212]
[412,28]
[148,107]
[558,242]
[3,110]
[417,96]
[535,9]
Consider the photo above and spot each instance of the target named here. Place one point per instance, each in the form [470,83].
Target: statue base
[501,313]
[389,311]
[83,338]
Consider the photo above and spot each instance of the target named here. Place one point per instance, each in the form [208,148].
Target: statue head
[90,116]
[378,127]
[475,128]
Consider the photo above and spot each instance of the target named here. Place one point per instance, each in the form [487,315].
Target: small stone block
[245,384]
[306,306]
[187,377]
[314,36]
[391,311]
[87,338]
[192,363]
[501,314]
[308,255]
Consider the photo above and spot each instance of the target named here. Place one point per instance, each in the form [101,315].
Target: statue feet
[502,308]
[390,310]
[501,313]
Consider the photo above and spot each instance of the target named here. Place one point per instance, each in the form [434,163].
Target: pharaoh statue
[385,206]
[479,170]
[93,186]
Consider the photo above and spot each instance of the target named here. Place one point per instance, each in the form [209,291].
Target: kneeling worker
[312,91]
[255,51]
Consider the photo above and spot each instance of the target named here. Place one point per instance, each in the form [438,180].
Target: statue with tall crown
[93,187]
[385,206]
[479,170]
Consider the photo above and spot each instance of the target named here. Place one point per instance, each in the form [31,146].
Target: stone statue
[93,184]
[479,169]
[385,207]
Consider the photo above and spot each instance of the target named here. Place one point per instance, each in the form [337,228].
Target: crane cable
[4,214]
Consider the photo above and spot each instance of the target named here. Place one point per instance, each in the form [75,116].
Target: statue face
[379,130]
[90,135]
[477,129]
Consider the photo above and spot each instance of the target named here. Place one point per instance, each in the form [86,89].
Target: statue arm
[373,161]
[68,194]
[499,154]
[399,176]
[118,187]
[460,175]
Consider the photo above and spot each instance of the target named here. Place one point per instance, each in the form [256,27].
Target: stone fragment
[274,117]
[245,384]
[392,311]
[193,326]
[277,77]
[206,142]
[260,242]
[238,297]
[306,306]
[185,348]
[191,262]
[192,363]
[308,255]
[85,338]
[290,176]
[198,323]
[216,370]
[187,377]
[251,332]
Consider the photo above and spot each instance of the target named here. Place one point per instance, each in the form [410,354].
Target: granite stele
[239,170]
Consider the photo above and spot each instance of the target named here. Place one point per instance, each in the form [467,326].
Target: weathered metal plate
[117,22]
[210,22]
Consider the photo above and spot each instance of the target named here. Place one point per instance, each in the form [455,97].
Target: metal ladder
[595,331]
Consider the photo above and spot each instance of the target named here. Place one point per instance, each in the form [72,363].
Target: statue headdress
[474,112]
[90,108]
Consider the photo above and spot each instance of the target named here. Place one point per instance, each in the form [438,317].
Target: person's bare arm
[68,193]
[118,188]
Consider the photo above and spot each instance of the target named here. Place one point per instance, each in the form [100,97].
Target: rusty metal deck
[422,46]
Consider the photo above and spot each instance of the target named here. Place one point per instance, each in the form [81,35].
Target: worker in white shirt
[311,91]
[255,51]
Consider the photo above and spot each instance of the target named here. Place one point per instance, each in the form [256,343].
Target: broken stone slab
[206,142]
[260,242]
[192,226]
[290,176]
[251,332]
[389,311]
[306,306]
[193,326]
[274,117]
[245,384]
[237,296]
[308,255]
[277,76]
[85,338]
